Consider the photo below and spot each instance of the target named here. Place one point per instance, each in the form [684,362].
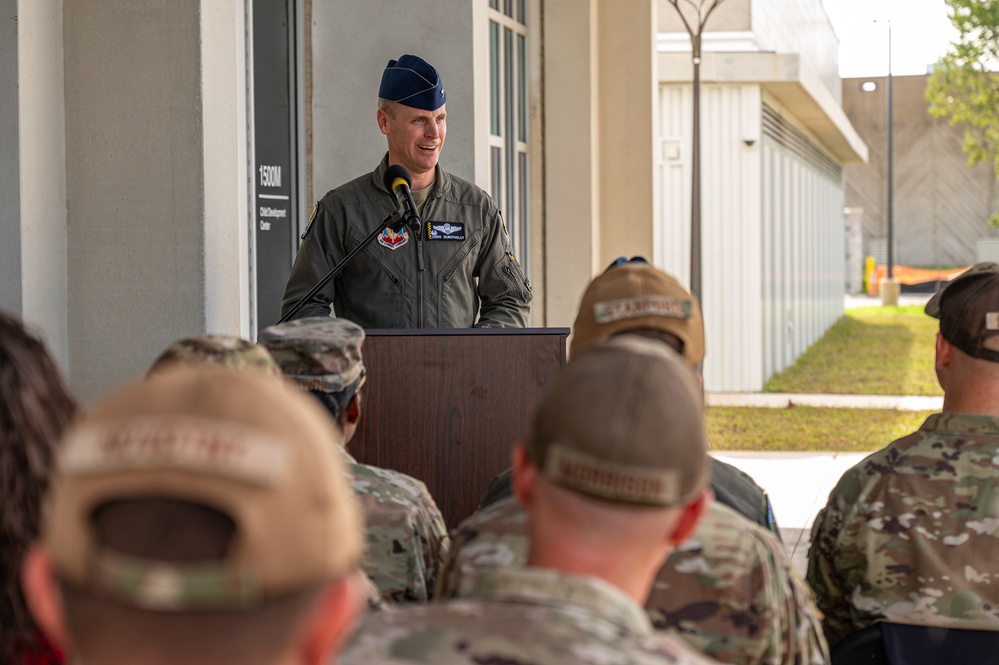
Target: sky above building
[920,34]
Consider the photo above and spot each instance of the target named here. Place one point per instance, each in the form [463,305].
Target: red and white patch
[393,240]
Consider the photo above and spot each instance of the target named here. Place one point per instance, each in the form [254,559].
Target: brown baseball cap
[968,310]
[635,295]
[255,449]
[623,422]
[223,350]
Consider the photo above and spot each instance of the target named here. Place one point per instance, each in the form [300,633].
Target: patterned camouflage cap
[623,422]
[634,295]
[240,443]
[223,350]
[968,309]
[318,353]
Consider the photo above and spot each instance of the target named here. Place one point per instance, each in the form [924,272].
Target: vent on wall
[792,138]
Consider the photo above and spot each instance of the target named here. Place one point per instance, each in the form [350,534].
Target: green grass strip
[808,428]
[869,351]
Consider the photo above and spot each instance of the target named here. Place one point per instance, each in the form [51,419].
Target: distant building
[774,144]
[941,206]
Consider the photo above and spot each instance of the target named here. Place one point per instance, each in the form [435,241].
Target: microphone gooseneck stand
[395,221]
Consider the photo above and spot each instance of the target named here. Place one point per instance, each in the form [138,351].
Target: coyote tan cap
[633,296]
[318,353]
[254,449]
[968,309]
[623,422]
[223,350]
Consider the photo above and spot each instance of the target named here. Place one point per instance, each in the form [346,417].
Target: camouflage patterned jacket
[729,591]
[911,534]
[522,616]
[406,536]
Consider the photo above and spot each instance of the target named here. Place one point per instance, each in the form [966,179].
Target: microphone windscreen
[395,172]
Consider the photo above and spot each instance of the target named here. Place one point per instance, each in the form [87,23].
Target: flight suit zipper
[419,276]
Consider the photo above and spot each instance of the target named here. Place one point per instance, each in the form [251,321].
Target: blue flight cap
[412,81]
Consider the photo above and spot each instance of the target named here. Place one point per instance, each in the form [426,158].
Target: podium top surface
[388,332]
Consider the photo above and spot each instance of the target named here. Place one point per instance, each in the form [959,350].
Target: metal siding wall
[731,184]
[803,249]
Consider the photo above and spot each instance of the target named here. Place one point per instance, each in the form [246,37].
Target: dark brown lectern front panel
[446,406]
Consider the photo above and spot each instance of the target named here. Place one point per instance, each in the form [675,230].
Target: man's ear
[339,608]
[690,516]
[944,352]
[353,411]
[44,598]
[525,475]
[383,120]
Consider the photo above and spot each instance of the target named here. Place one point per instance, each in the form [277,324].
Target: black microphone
[398,181]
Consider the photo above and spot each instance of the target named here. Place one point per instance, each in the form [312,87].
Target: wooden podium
[446,406]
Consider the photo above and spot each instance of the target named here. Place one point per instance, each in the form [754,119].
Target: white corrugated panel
[772,232]
[730,223]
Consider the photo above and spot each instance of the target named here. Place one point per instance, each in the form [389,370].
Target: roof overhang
[791,83]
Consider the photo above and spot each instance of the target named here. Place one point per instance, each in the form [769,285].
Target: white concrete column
[600,109]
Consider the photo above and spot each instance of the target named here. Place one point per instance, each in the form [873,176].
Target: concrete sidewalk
[783,400]
[798,484]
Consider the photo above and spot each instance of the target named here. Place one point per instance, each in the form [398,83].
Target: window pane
[523,223]
[495,96]
[496,166]
[522,101]
[508,7]
[509,120]
[494,4]
[522,11]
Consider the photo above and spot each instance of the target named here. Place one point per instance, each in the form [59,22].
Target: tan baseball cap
[255,449]
[223,350]
[623,422]
[968,309]
[636,295]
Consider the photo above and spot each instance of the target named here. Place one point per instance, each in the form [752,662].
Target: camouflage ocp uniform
[522,616]
[911,534]
[728,591]
[406,537]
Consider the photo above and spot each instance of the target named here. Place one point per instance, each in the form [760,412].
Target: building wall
[10,189]
[347,68]
[772,230]
[803,247]
[941,206]
[730,222]
[780,26]
[134,184]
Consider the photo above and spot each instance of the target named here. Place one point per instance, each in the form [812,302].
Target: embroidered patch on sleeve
[445,231]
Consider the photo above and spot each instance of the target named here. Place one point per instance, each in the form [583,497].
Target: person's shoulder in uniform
[542,631]
[729,591]
[406,535]
[733,593]
[458,191]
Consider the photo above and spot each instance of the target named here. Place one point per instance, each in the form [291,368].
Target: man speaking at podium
[456,270]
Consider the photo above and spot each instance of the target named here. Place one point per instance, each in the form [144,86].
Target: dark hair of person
[35,408]
[337,403]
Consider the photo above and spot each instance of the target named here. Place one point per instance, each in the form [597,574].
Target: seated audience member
[642,300]
[199,516]
[910,535]
[406,536]
[241,355]
[730,590]
[612,477]
[35,408]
